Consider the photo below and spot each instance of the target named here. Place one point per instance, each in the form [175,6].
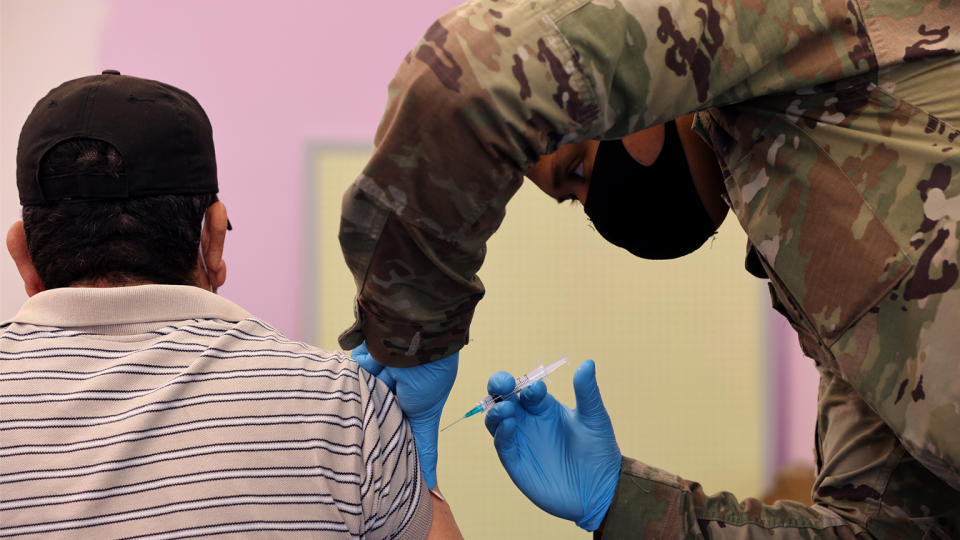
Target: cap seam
[87,110]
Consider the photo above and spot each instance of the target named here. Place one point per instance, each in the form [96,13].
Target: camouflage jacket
[835,122]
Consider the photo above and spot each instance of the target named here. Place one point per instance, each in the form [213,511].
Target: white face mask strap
[203,261]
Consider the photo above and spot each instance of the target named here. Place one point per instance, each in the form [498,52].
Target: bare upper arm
[443,525]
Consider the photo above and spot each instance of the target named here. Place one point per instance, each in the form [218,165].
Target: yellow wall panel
[678,346]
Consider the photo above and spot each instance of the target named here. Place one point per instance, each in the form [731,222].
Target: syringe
[523,381]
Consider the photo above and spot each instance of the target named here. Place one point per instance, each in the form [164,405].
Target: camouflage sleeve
[651,503]
[493,84]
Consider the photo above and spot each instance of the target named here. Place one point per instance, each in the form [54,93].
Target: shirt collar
[82,306]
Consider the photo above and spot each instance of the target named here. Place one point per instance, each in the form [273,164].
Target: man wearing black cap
[133,400]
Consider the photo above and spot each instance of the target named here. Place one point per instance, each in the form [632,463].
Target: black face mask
[651,211]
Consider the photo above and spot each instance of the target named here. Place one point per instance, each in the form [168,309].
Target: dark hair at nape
[147,239]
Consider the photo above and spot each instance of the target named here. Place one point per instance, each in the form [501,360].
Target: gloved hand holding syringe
[523,381]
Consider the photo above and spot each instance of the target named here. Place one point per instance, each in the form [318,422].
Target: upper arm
[444,526]
[393,494]
[649,62]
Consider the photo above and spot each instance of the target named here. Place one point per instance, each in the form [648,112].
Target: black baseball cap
[162,135]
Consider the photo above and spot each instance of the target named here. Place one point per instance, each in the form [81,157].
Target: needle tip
[452,423]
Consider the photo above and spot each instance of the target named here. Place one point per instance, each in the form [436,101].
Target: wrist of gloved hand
[593,519]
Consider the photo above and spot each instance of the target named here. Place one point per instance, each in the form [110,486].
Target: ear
[211,245]
[17,246]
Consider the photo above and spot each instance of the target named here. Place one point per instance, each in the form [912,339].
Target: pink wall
[272,76]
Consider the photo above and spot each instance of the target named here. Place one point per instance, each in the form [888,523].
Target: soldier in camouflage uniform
[836,124]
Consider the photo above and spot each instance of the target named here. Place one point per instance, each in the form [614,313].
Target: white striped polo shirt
[162,411]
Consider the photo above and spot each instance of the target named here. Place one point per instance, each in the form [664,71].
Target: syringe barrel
[537,373]
[487,402]
[522,382]
[527,379]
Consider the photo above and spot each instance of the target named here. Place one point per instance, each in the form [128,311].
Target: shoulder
[256,339]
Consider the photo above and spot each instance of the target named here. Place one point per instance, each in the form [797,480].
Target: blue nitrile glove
[566,461]
[421,392]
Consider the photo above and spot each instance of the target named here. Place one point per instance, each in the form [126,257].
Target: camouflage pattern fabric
[868,486]
[836,124]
